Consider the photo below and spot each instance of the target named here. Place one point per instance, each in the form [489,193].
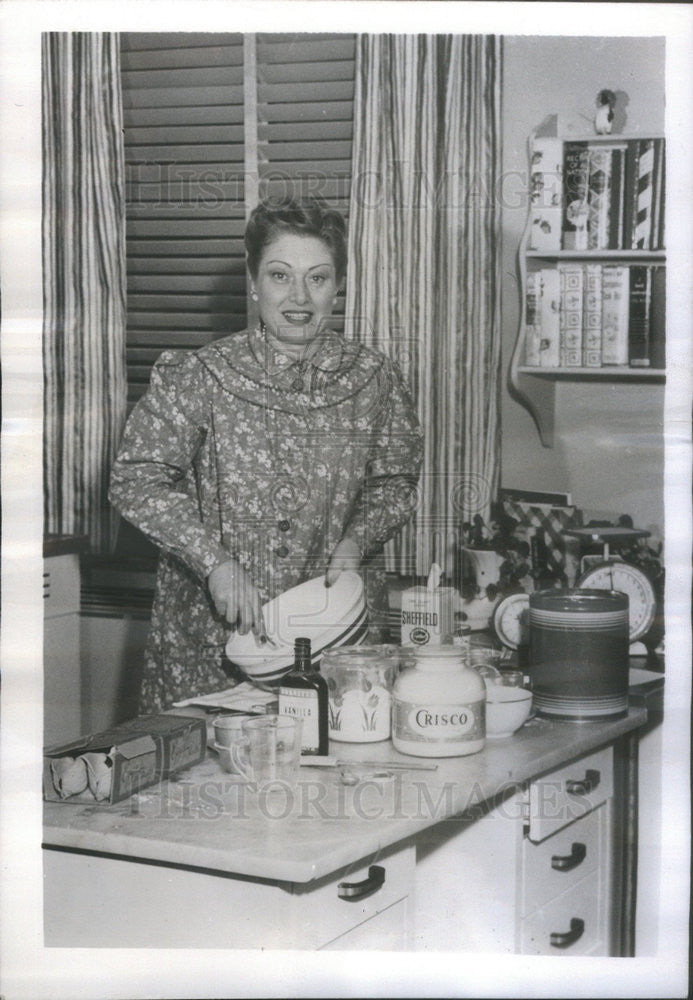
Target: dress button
[284,525]
[282,551]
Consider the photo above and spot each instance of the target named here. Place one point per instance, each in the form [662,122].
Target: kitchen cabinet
[453,859]
[61,643]
[535,385]
[165,906]
[567,864]
[516,878]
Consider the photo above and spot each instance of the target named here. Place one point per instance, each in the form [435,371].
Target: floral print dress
[238,451]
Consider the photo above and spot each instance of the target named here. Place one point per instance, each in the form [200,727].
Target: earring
[253,296]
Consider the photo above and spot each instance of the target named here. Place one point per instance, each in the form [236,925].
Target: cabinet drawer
[571,924]
[569,793]
[323,915]
[557,863]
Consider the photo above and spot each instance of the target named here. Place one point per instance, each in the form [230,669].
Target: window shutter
[305,118]
[185,142]
[184,148]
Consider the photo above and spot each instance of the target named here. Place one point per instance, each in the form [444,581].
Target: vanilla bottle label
[464,722]
[302,704]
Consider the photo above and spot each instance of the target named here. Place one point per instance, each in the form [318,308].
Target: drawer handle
[577,929]
[586,785]
[566,862]
[359,890]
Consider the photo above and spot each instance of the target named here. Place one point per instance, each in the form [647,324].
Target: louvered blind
[305,118]
[185,136]
[184,155]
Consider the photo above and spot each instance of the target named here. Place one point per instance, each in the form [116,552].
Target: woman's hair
[302,216]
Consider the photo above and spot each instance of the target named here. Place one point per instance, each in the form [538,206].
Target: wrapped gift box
[545,523]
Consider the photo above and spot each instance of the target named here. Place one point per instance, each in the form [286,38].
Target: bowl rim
[513,695]
[266,665]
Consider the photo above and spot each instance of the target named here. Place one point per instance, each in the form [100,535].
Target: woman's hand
[346,555]
[236,597]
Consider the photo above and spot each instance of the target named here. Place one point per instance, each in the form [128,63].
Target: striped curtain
[424,257]
[84,281]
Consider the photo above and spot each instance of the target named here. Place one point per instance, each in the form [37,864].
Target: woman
[265,458]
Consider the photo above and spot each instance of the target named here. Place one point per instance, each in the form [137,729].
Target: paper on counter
[245,697]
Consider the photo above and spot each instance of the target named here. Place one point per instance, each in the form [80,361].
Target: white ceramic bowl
[328,616]
[507,708]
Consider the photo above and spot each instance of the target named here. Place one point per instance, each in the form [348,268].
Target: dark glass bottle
[303,694]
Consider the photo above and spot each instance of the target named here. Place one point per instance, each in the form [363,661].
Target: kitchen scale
[612,573]
[510,618]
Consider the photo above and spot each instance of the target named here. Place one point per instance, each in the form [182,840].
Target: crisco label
[440,723]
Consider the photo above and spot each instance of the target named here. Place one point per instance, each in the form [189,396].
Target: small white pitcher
[487,564]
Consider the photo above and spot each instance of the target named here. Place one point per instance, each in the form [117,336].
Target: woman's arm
[150,482]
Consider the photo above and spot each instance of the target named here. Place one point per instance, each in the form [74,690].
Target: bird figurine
[603,119]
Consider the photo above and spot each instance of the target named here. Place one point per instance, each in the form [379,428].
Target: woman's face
[296,285]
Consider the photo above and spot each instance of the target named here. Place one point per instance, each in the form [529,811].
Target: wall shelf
[641,255]
[535,387]
[612,374]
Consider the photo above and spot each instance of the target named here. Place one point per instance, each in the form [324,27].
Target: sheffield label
[440,723]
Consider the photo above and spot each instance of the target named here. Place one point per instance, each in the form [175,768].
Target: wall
[608,449]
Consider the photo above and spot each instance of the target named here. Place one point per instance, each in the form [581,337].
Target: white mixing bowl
[507,708]
[328,616]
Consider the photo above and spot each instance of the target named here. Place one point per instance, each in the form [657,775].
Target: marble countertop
[205,818]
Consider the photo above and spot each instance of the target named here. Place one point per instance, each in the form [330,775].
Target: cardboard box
[118,762]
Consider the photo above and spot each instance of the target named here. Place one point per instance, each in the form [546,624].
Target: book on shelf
[630,194]
[603,199]
[576,163]
[546,195]
[657,229]
[592,317]
[639,316]
[586,315]
[571,282]
[612,197]
[532,320]
[617,204]
[658,309]
[644,188]
[615,301]
[549,317]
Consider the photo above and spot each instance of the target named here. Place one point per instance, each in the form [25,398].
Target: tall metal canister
[578,654]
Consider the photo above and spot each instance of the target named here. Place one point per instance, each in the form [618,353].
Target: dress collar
[325,352]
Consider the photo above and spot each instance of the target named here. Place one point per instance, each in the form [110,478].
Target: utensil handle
[388,764]
[241,765]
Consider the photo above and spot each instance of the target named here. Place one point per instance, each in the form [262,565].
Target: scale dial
[631,581]
[510,620]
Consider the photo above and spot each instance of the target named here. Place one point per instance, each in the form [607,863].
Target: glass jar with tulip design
[359,682]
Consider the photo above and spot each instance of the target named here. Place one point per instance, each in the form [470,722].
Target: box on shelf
[111,765]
